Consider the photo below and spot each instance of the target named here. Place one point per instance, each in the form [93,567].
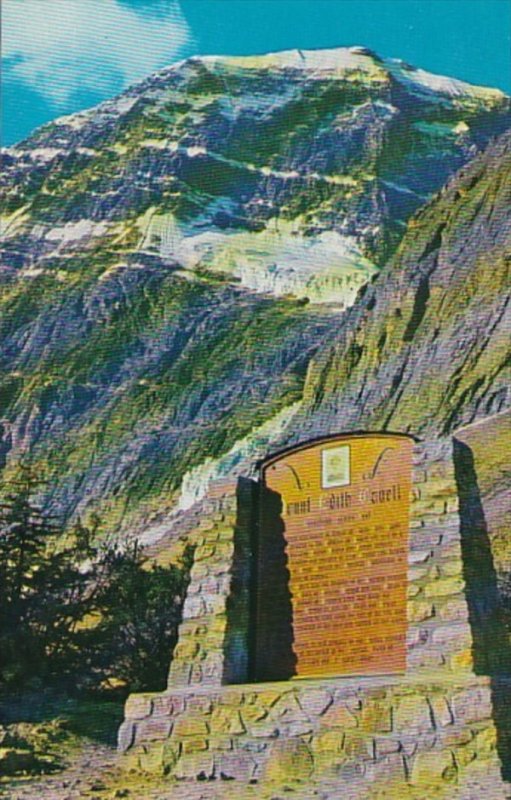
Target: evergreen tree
[75,614]
[140,607]
[43,591]
[23,535]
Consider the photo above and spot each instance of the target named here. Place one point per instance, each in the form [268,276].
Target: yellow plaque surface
[332,558]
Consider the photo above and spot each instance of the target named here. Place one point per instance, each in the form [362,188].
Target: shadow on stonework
[273,658]
[491,644]
[237,636]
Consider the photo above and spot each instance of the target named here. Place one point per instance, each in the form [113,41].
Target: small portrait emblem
[335,466]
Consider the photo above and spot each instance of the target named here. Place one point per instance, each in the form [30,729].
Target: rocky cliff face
[428,347]
[175,257]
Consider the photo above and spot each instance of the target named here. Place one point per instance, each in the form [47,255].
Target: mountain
[294,172]
[177,265]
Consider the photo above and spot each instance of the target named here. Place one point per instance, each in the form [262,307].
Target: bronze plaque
[332,558]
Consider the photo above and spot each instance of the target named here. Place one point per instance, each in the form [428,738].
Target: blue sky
[64,55]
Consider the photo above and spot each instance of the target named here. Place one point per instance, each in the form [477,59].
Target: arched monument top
[333,437]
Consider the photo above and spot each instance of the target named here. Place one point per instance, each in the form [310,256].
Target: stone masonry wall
[439,633]
[356,732]
[213,637]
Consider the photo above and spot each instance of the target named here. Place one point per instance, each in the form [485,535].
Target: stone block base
[365,734]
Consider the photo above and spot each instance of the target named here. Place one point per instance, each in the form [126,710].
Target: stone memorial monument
[332,629]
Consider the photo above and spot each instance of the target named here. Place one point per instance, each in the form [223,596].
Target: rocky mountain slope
[428,347]
[174,258]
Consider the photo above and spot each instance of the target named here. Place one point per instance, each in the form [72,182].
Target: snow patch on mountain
[74,121]
[335,61]
[431,83]
[326,268]
[45,154]
[77,231]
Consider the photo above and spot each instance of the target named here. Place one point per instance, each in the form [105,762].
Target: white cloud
[60,47]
